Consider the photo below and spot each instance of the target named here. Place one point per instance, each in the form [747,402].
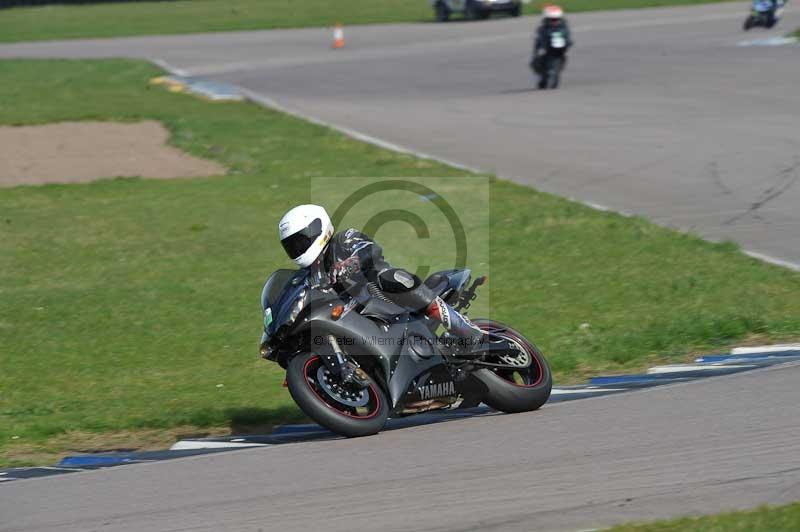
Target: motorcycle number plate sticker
[267,318]
[557,41]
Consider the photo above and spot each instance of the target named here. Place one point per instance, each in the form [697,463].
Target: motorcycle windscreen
[274,287]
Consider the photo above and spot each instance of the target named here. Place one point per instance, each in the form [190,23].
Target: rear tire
[516,11]
[505,393]
[318,401]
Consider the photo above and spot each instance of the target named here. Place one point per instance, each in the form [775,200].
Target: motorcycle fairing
[404,346]
[411,360]
[448,284]
[273,287]
[394,347]
[762,6]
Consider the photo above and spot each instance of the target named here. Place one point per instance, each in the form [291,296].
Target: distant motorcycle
[551,61]
[405,367]
[764,13]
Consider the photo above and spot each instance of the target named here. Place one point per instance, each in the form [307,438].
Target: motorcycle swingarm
[502,345]
[483,364]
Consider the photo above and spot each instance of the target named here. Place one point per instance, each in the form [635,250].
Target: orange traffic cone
[338,36]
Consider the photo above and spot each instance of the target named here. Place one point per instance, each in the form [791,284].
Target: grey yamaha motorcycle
[404,366]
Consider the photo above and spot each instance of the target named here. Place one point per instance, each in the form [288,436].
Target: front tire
[514,391]
[347,413]
[554,72]
[748,23]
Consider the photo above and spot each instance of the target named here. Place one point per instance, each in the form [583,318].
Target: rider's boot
[469,336]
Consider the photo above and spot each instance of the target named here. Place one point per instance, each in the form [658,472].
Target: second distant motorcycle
[550,47]
[764,13]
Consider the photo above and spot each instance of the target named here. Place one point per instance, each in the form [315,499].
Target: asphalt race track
[731,442]
[662,113]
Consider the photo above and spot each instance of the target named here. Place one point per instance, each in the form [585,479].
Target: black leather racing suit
[352,256]
[545,31]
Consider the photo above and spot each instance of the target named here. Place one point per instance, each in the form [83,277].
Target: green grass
[190,16]
[126,302]
[766,519]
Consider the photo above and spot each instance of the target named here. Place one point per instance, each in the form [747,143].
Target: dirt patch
[75,152]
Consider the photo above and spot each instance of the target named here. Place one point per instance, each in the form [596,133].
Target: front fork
[332,356]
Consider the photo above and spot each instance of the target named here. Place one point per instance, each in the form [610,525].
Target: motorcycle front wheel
[515,390]
[553,73]
[320,395]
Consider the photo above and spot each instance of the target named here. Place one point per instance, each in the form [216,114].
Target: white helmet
[552,12]
[304,231]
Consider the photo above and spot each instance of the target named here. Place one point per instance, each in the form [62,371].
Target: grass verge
[131,304]
[191,16]
[766,519]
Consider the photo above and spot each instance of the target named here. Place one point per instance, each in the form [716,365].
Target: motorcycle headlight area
[297,306]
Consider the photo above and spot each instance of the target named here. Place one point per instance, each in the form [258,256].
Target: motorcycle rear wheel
[346,412]
[514,391]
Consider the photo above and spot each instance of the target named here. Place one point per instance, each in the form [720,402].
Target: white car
[475,9]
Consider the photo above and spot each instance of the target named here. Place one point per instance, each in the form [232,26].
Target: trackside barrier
[209,90]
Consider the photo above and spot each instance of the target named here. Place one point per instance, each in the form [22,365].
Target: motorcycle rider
[348,258]
[777,8]
[552,20]
[765,13]
[777,4]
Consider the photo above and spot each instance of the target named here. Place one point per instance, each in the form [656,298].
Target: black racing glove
[345,269]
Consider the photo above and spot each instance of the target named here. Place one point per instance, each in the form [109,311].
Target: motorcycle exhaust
[425,406]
